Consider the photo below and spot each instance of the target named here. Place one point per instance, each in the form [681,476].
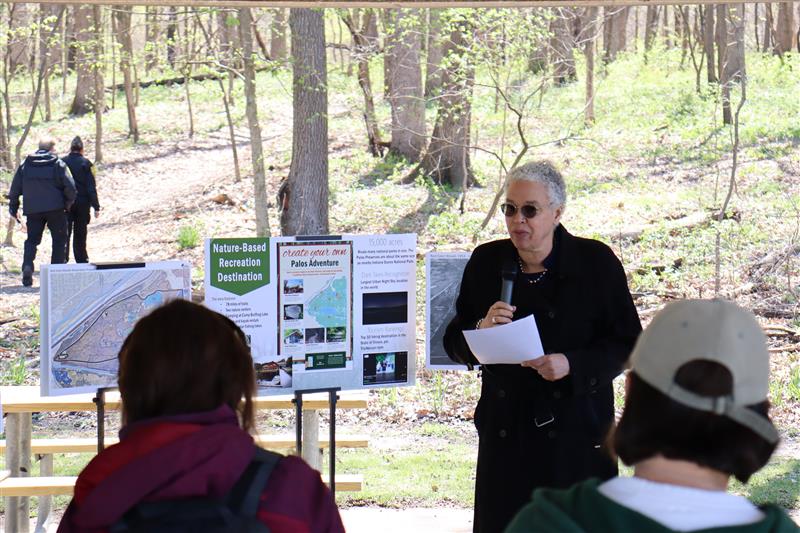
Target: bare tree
[363,49]
[562,44]
[447,158]
[784,31]
[433,61]
[615,31]
[405,85]
[257,152]
[277,46]
[588,36]
[651,27]
[304,194]
[708,42]
[123,17]
[81,103]
[98,92]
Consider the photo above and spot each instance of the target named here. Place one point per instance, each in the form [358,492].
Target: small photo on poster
[326,361]
[293,336]
[385,308]
[293,312]
[385,368]
[274,373]
[335,334]
[315,335]
[293,286]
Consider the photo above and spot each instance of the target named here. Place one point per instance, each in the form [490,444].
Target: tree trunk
[364,50]
[784,31]
[304,195]
[123,16]
[256,147]
[388,20]
[151,32]
[433,72]
[651,27]
[172,35]
[20,51]
[98,94]
[589,37]
[406,96]
[734,57]
[5,155]
[769,24]
[562,43]
[277,43]
[81,104]
[447,157]
[615,31]
[708,42]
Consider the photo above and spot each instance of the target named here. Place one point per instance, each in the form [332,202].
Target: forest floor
[646,169]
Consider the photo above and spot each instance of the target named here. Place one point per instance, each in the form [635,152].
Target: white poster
[87,311]
[240,284]
[315,293]
[384,308]
[336,311]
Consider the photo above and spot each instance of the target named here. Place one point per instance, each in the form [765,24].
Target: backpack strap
[243,498]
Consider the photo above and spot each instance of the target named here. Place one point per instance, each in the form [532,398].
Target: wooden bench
[63,485]
[270,442]
[20,402]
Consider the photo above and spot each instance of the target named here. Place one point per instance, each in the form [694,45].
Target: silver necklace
[532,281]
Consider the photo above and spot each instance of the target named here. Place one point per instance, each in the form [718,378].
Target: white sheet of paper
[507,344]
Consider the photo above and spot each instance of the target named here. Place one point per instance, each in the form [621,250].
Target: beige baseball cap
[711,330]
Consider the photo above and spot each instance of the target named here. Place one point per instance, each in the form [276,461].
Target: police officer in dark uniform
[83,172]
[48,192]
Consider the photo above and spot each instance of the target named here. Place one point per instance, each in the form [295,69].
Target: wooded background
[103,55]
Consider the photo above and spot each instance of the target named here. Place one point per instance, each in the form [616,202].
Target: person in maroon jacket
[183,372]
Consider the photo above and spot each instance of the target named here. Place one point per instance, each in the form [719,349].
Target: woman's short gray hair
[543,172]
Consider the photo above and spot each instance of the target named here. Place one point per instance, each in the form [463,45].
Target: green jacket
[583,509]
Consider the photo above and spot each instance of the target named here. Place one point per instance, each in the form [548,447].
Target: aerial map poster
[443,271]
[315,306]
[86,311]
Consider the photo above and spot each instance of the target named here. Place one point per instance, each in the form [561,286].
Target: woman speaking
[542,423]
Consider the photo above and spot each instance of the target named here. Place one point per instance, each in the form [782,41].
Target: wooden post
[45,502]
[18,462]
[10,232]
[312,454]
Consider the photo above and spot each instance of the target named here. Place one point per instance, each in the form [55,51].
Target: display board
[320,312]
[87,311]
[443,272]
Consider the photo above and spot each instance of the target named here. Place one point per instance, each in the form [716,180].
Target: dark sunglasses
[528,211]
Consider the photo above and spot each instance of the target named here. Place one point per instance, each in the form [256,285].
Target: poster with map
[315,305]
[320,312]
[86,311]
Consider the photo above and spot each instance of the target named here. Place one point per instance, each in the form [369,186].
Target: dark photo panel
[385,308]
[385,368]
[315,335]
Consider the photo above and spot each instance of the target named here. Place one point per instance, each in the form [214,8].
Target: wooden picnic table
[20,402]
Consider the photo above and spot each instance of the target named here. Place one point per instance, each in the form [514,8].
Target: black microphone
[509,274]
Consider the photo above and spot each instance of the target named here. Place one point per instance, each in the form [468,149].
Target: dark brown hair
[653,424]
[183,358]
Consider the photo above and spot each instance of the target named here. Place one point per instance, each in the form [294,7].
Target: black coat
[45,184]
[583,308]
[83,174]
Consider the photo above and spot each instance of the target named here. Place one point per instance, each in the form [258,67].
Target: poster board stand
[100,401]
[333,396]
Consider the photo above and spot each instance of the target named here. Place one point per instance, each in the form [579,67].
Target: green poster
[324,361]
[239,266]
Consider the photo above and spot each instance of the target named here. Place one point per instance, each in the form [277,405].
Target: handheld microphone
[509,274]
